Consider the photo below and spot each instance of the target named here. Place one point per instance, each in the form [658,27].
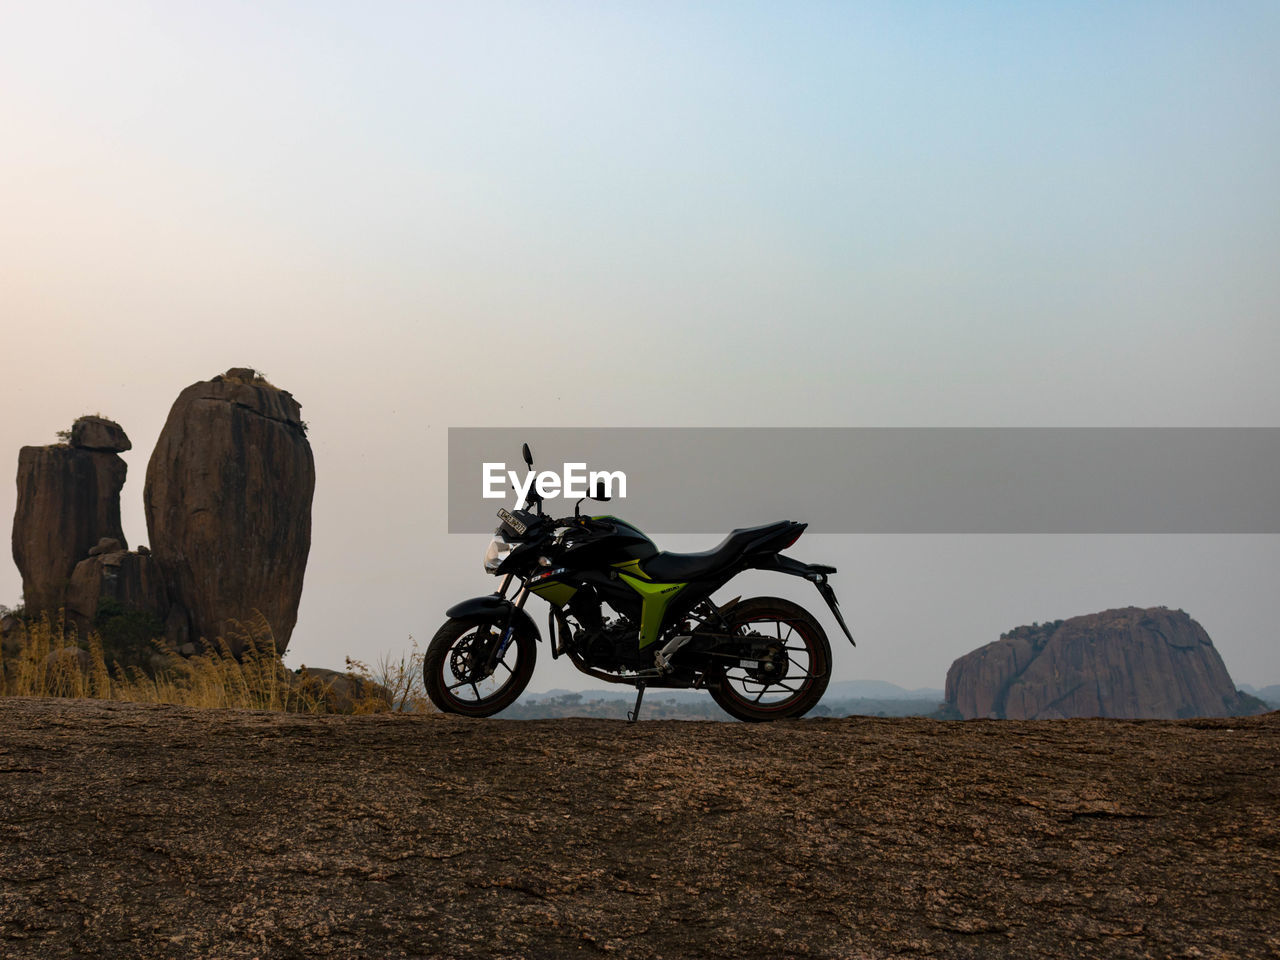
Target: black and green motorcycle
[624,612]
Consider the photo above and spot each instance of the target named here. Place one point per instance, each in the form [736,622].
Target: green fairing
[654,597]
[555,592]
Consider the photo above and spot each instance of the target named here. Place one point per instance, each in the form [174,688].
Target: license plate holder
[507,517]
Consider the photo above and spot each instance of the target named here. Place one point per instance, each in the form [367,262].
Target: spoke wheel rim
[802,660]
[463,679]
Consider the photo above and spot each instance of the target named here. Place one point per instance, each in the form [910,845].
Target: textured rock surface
[158,832]
[134,580]
[99,433]
[1129,662]
[228,506]
[68,500]
[106,545]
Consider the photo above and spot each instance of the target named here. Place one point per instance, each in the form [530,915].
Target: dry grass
[397,682]
[46,658]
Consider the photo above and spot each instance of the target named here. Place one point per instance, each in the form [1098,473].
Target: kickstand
[634,715]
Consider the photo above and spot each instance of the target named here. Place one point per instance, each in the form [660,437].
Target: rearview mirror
[599,492]
[528,457]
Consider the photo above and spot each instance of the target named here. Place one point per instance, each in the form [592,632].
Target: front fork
[508,635]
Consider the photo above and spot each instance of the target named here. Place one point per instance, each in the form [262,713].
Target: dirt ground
[143,831]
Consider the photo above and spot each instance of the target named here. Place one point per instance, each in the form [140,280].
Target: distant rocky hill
[1269,695]
[1128,662]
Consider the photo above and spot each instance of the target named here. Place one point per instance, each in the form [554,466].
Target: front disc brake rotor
[466,660]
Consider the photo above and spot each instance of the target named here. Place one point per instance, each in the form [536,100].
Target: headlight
[497,552]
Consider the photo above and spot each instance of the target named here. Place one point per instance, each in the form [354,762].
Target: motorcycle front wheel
[456,671]
[793,678]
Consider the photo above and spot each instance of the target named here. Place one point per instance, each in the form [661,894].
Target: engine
[615,645]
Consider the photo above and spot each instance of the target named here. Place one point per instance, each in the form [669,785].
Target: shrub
[128,635]
[48,659]
[391,684]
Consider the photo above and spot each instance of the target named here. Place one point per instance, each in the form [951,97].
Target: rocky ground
[142,831]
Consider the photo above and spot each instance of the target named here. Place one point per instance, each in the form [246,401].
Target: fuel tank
[613,540]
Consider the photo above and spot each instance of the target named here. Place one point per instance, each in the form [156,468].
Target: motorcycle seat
[666,567]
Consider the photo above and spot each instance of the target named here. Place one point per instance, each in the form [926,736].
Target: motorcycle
[625,612]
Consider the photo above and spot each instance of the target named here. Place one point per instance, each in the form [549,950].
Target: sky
[422,215]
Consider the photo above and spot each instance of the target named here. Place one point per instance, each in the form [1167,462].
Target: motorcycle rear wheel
[453,671]
[748,694]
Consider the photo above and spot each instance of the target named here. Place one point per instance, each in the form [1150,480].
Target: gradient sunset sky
[423,215]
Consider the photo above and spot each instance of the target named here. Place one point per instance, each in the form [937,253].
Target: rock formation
[99,433]
[228,506]
[1119,663]
[133,580]
[68,500]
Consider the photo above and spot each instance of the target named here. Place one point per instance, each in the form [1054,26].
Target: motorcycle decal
[633,568]
[549,574]
[654,599]
[553,591]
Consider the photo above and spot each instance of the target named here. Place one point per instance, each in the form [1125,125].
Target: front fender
[493,608]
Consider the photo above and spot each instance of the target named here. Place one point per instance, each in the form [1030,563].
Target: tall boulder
[1129,662]
[68,500]
[228,506]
